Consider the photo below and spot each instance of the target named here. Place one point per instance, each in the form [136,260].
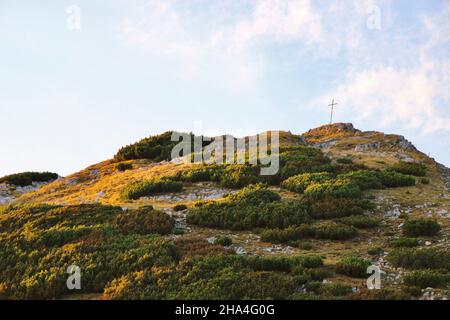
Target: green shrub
[375,251]
[253,207]
[361,222]
[364,179]
[344,160]
[179,207]
[300,159]
[253,195]
[327,231]
[392,179]
[319,274]
[283,263]
[314,287]
[300,182]
[38,243]
[381,294]
[240,175]
[353,266]
[223,241]
[136,190]
[144,221]
[201,173]
[330,208]
[242,216]
[288,234]
[336,188]
[312,262]
[411,168]
[59,235]
[404,243]
[209,277]
[336,289]
[425,181]
[157,148]
[335,232]
[421,227]
[197,247]
[415,258]
[426,278]
[27,178]
[124,166]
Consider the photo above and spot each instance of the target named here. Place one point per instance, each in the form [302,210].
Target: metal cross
[332,104]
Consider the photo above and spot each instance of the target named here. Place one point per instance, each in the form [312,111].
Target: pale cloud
[411,98]
[227,46]
[388,76]
[414,93]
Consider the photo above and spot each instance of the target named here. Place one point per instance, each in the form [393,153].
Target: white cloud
[409,98]
[413,93]
[228,44]
[389,76]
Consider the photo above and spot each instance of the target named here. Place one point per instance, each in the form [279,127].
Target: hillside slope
[341,193]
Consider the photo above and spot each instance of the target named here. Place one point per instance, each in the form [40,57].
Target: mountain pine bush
[416,258]
[27,178]
[124,166]
[253,207]
[335,188]
[364,179]
[393,179]
[427,278]
[138,189]
[353,267]
[411,168]
[421,227]
[300,182]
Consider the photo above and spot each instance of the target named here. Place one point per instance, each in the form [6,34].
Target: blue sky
[71,94]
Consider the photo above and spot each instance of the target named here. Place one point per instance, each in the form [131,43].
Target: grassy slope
[86,185]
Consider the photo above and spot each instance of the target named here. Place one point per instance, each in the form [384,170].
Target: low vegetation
[124,166]
[38,243]
[336,188]
[27,178]
[138,189]
[364,179]
[427,278]
[393,179]
[361,222]
[416,258]
[330,231]
[404,243]
[330,208]
[157,148]
[421,227]
[223,241]
[411,168]
[353,267]
[253,207]
[145,221]
[300,182]
[179,207]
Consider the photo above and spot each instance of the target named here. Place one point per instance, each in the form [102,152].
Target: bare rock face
[367,146]
[9,193]
[402,143]
[445,173]
[330,131]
